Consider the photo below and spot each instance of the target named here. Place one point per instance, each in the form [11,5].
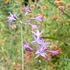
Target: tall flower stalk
[22,47]
[42,47]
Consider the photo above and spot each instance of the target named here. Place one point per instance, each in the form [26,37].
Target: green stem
[22,47]
[53,38]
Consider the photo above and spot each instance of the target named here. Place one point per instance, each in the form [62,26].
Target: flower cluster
[41,45]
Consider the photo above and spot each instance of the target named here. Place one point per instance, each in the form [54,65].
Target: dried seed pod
[61,8]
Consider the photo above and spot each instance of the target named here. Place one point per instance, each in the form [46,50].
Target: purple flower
[11,17]
[44,44]
[40,42]
[41,52]
[26,10]
[37,33]
[39,18]
[27,47]
[36,40]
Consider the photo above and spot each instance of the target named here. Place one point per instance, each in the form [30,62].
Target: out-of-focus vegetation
[56,22]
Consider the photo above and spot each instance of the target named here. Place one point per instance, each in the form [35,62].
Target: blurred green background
[57,31]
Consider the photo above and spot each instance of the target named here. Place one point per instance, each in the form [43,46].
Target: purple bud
[27,47]
[39,18]
[33,26]
[54,53]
